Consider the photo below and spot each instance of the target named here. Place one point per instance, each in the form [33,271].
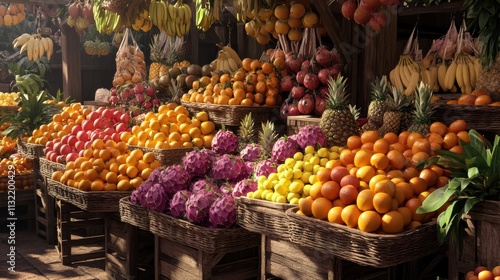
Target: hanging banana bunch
[107,22]
[173,19]
[34,45]
[207,14]
[406,75]
[248,9]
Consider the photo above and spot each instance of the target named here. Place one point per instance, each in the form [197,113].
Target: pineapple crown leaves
[396,100]
[337,93]
[475,178]
[267,138]
[247,125]
[423,104]
[379,89]
[355,111]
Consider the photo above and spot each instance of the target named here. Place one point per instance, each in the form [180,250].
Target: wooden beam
[445,7]
[71,63]
[193,33]
[332,26]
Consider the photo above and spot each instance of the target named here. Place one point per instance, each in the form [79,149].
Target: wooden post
[71,65]
[194,33]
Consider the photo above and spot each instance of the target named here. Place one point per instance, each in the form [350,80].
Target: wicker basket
[483,118]
[262,216]
[232,115]
[135,215]
[363,248]
[92,201]
[165,156]
[31,151]
[48,167]
[209,240]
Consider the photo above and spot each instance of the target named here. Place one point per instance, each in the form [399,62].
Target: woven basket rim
[161,150]
[471,107]
[333,226]
[213,106]
[265,203]
[127,209]
[187,225]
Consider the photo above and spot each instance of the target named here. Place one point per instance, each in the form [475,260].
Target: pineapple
[392,117]
[246,132]
[407,112]
[378,104]
[156,58]
[355,112]
[423,110]
[267,138]
[337,122]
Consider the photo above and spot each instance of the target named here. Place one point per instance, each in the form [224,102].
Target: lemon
[250,194]
[280,168]
[284,183]
[313,179]
[269,196]
[316,168]
[307,157]
[268,185]
[288,174]
[334,149]
[264,194]
[297,173]
[314,160]
[334,155]
[309,150]
[323,161]
[281,199]
[323,152]
[272,177]
[257,194]
[298,156]
[294,201]
[306,189]
[289,162]
[305,177]
[308,167]
[291,196]
[296,186]
[298,165]
[261,179]
[274,197]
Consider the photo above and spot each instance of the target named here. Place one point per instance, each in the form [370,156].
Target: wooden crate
[176,261]
[481,243]
[24,209]
[80,234]
[45,214]
[129,250]
[283,259]
[294,123]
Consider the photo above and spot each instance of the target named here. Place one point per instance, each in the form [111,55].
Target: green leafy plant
[476,178]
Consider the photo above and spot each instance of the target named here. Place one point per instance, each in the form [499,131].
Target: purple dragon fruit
[250,166]
[265,168]
[227,188]
[174,178]
[141,192]
[156,198]
[134,197]
[204,184]
[155,176]
[243,187]
[283,148]
[223,212]
[250,153]
[229,168]
[198,206]
[197,163]
[178,203]
[311,135]
[225,142]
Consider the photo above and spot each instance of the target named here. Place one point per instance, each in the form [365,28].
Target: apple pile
[136,99]
[368,12]
[307,81]
[104,123]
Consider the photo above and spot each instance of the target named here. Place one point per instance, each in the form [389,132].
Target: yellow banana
[451,74]
[41,48]
[29,50]
[472,73]
[232,53]
[152,12]
[189,13]
[50,49]
[477,67]
[413,83]
[24,47]
[426,77]
[397,78]
[35,50]
[171,11]
[21,40]
[405,75]
[433,71]
[459,75]
[232,64]
[466,76]
[453,89]
[45,44]
[442,76]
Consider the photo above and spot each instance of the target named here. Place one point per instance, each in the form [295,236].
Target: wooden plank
[72,80]
[193,35]
[444,7]
[183,254]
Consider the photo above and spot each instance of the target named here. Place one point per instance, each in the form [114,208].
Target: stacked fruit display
[171,127]
[307,81]
[80,15]
[135,99]
[107,165]
[483,273]
[13,166]
[7,145]
[9,98]
[97,47]
[12,14]
[254,84]
[368,12]
[130,64]
[477,97]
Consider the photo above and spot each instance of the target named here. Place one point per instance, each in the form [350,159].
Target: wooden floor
[37,260]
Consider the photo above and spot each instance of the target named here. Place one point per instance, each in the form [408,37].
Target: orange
[406,189]
[84,185]
[430,176]
[365,173]
[392,222]
[346,157]
[395,174]
[320,208]
[439,128]
[483,100]
[416,158]
[350,215]
[456,149]
[421,145]
[354,142]
[379,161]
[414,136]
[362,158]
[457,126]
[391,137]
[315,190]
[369,136]
[396,159]
[479,92]
[348,194]
[338,202]
[385,186]
[418,185]
[496,270]
[410,172]
[398,147]
[381,146]
[335,215]
[382,202]
[407,215]
[435,138]
[364,201]
[485,274]
[369,221]
[97,186]
[323,175]
[305,204]
[464,136]
[123,185]
[413,204]
[450,140]
[375,179]
[423,195]
[330,190]
[466,99]
[367,146]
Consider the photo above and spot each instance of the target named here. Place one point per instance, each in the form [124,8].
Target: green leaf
[482,22]
[473,172]
[464,184]
[435,200]
[471,201]
[454,184]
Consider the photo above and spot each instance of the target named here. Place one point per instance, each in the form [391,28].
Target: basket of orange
[228,98]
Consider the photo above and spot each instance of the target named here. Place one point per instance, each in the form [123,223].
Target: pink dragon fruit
[225,142]
[174,178]
[141,192]
[250,153]
[311,135]
[155,176]
[227,188]
[223,212]
[283,148]
[204,184]
[198,206]
[178,203]
[250,165]
[156,198]
[229,168]
[197,163]
[243,187]
[265,167]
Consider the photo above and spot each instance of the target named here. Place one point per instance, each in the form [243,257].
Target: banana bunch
[227,60]
[142,22]
[207,13]
[174,20]
[407,74]
[248,9]
[29,83]
[107,22]
[464,70]
[34,45]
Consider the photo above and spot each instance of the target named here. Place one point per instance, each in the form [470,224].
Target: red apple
[125,118]
[72,140]
[75,129]
[99,123]
[109,130]
[107,114]
[48,154]
[60,159]
[80,145]
[57,147]
[71,157]
[52,157]
[150,91]
[94,135]
[116,115]
[139,89]
[80,153]
[50,144]
[64,139]
[106,138]
[120,127]
[82,136]
[64,149]
[88,125]
[93,115]
[88,145]
[116,137]
[99,110]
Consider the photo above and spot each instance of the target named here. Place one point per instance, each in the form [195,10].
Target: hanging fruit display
[207,13]
[369,12]
[11,14]
[34,45]
[96,47]
[173,19]
[80,15]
